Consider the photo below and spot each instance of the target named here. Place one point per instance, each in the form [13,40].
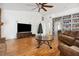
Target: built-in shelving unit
[69,22]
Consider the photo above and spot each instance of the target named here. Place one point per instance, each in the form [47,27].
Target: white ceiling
[58,7]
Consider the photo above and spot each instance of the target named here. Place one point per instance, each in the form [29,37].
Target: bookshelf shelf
[75,22]
[67,22]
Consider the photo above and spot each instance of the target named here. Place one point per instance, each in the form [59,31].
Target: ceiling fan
[43,6]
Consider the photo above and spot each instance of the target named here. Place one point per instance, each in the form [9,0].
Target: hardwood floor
[28,47]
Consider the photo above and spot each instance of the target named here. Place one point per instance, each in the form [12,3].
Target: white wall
[66,12]
[12,17]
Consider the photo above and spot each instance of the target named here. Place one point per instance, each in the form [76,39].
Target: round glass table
[44,40]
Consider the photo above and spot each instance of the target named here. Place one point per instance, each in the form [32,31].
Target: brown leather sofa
[69,43]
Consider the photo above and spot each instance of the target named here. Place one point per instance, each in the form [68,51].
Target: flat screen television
[24,27]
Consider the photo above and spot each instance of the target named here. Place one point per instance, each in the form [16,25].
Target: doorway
[57,27]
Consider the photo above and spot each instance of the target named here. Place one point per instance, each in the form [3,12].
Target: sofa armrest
[68,50]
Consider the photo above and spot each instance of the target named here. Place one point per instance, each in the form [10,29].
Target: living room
[15,15]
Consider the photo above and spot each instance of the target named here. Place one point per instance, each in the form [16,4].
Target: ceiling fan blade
[44,9]
[48,6]
[44,3]
[37,4]
[39,10]
[40,3]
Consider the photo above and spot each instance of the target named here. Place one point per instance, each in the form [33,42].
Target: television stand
[24,35]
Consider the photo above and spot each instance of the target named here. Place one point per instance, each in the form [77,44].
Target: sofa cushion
[67,39]
[71,33]
[67,33]
[77,34]
[76,43]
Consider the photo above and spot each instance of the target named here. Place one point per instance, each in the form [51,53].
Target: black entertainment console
[24,35]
